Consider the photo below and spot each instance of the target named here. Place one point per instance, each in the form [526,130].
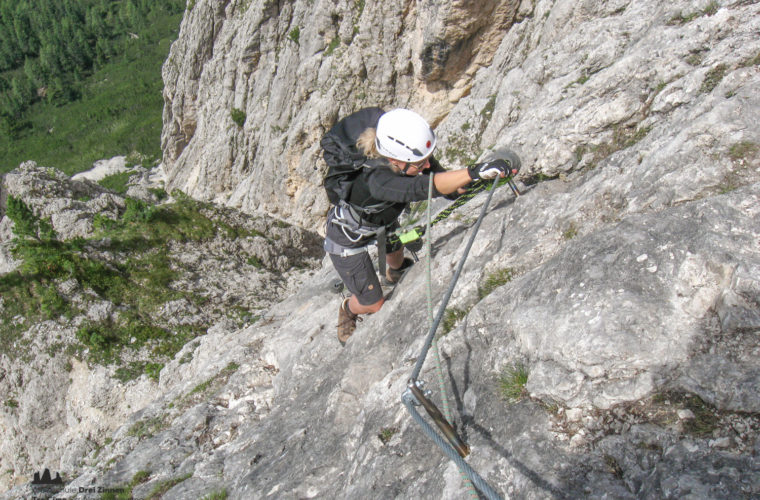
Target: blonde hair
[366,143]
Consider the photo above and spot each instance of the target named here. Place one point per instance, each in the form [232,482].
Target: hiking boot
[346,322]
[393,275]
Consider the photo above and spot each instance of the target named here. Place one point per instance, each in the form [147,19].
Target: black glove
[488,170]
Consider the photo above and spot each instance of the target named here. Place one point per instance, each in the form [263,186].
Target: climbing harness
[354,228]
[415,394]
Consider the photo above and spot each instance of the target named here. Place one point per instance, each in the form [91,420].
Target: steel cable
[407,398]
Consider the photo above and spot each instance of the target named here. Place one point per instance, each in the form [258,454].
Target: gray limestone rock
[623,280]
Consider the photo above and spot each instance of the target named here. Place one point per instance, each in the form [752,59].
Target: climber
[392,158]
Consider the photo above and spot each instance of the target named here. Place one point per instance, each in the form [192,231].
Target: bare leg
[395,259]
[357,308]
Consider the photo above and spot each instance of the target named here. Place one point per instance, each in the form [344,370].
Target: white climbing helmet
[404,135]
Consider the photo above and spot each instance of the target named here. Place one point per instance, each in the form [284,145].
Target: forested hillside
[81,79]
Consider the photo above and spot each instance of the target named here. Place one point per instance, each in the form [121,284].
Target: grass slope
[119,113]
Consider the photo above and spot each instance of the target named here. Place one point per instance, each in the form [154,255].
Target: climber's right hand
[489,170]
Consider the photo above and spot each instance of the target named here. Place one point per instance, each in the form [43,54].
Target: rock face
[290,69]
[58,403]
[630,395]
[623,283]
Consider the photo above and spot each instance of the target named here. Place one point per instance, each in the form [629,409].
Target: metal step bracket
[409,395]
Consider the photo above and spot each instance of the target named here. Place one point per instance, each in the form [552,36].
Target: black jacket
[379,183]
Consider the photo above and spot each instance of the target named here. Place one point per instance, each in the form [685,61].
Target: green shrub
[103,223]
[159,193]
[141,477]
[706,418]
[295,34]
[680,18]
[52,304]
[386,433]
[334,43]
[571,231]
[25,223]
[132,269]
[513,381]
[116,182]
[451,317]
[488,109]
[495,280]
[713,78]
[238,116]
[147,428]
[153,370]
[138,211]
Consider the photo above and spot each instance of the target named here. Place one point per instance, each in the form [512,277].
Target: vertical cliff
[251,86]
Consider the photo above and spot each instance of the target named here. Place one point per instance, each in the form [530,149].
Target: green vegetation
[212,384]
[682,18]
[334,43]
[202,387]
[141,477]
[164,486]
[386,433]
[705,419]
[147,428]
[694,59]
[137,368]
[741,154]
[753,61]
[665,408]
[295,34]
[487,111]
[238,116]
[582,79]
[80,80]
[125,492]
[451,317]
[742,150]
[713,78]
[461,150]
[126,262]
[116,182]
[571,231]
[216,495]
[623,137]
[495,280]
[512,382]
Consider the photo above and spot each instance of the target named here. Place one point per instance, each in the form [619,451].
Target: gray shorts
[357,271]
[358,274]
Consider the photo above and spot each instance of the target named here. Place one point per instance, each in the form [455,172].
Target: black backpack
[343,158]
